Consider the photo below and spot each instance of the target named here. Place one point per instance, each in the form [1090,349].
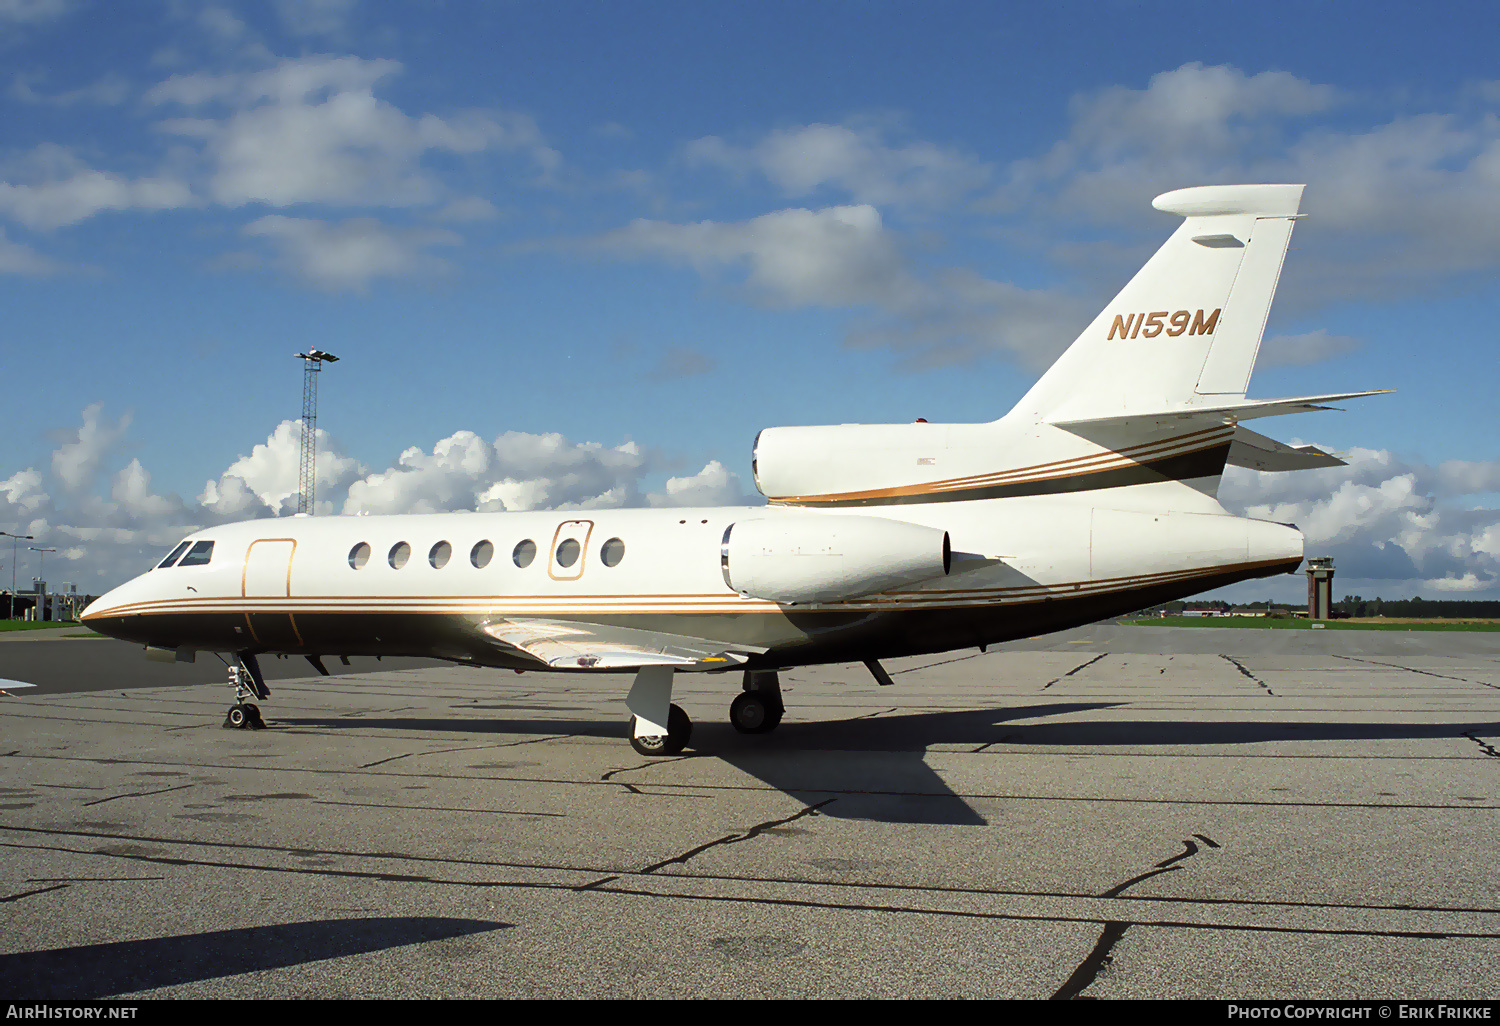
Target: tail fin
[1185,331]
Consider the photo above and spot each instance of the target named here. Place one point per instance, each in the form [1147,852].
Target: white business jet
[1093,497]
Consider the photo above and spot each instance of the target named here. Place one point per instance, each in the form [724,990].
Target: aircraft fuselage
[429,584]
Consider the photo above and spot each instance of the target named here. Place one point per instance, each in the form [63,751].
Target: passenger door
[267,577]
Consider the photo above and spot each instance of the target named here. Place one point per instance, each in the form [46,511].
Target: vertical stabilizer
[1186,330]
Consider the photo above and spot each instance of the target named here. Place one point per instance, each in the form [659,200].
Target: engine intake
[799,559]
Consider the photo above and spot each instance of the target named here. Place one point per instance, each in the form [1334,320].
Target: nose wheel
[247,682]
[244,716]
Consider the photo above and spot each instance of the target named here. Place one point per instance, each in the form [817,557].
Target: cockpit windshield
[199,553]
[172,556]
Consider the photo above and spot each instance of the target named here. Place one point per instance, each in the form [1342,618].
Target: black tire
[236,718]
[753,713]
[679,731]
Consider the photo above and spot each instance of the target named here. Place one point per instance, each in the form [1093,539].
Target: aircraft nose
[106,613]
[97,609]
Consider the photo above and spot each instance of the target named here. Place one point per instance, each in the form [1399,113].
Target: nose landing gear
[247,682]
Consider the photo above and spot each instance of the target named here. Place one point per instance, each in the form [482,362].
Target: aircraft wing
[1257,452]
[573,645]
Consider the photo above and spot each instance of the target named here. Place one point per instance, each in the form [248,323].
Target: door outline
[561,535]
[244,589]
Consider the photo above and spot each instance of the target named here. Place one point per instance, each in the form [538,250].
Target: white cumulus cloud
[349,255]
[856,161]
[837,256]
[312,130]
[1406,526]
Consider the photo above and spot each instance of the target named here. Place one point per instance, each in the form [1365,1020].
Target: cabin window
[359,555]
[481,555]
[567,552]
[172,556]
[612,552]
[440,554]
[200,553]
[524,554]
[400,553]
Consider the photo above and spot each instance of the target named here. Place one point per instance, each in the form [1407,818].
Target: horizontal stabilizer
[6,686]
[591,646]
[1219,413]
[1257,452]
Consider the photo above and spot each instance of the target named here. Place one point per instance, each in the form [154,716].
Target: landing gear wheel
[679,730]
[237,717]
[752,713]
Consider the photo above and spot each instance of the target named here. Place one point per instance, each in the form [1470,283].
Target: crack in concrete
[1413,669]
[1075,669]
[138,794]
[755,831]
[1241,667]
[1101,957]
[928,666]
[1484,746]
[442,751]
[27,894]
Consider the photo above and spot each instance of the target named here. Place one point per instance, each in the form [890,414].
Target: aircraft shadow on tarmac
[878,767]
[124,967]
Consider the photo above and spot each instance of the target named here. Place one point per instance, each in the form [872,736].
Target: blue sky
[579,253]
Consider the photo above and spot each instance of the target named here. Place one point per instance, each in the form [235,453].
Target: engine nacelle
[799,559]
[862,463]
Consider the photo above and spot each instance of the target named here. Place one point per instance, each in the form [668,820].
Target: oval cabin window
[612,552]
[481,555]
[359,555]
[440,554]
[567,552]
[400,553]
[524,554]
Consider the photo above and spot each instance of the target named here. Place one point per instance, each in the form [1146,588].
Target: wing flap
[590,646]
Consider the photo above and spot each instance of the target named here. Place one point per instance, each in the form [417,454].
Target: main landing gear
[758,708]
[657,727]
[247,681]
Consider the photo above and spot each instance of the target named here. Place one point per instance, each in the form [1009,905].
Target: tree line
[1356,605]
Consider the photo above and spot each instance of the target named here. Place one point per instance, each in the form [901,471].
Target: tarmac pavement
[1108,812]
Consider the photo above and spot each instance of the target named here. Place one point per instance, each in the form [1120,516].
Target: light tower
[39,582]
[312,364]
[15,539]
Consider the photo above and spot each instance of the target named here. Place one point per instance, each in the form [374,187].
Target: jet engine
[867,464]
[799,559]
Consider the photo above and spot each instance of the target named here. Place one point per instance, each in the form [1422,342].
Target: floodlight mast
[15,539]
[307,482]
